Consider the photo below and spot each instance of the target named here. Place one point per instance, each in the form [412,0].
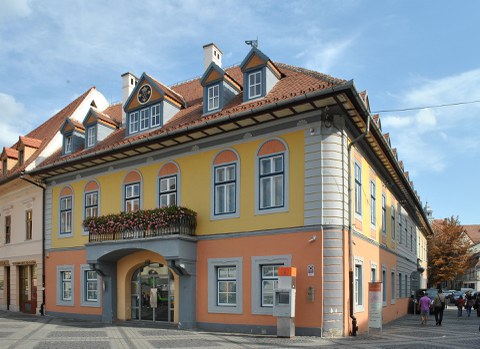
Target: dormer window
[155,116]
[21,157]
[144,122]
[134,122]
[213,97]
[68,144]
[255,84]
[91,136]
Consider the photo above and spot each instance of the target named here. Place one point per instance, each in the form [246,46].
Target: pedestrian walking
[460,304]
[424,308]
[438,307]
[476,305]
[469,304]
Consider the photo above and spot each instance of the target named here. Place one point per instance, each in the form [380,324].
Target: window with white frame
[225,186]
[90,282]
[134,122]
[91,286]
[400,285]
[400,230]
[91,204]
[66,215]
[66,280]
[28,225]
[68,144]
[91,136]
[168,191]
[155,115]
[213,97]
[269,275]
[272,178]
[144,119]
[132,197]
[358,189]
[384,215]
[255,84]
[384,286]
[358,285]
[412,240]
[393,222]
[392,287]
[373,204]
[227,286]
[8,228]
[65,285]
[264,281]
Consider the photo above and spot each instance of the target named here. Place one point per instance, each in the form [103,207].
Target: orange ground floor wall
[303,253]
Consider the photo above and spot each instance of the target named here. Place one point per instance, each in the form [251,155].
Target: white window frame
[66,215]
[255,84]
[271,180]
[392,223]
[144,119]
[384,215]
[359,286]
[213,265]
[155,117]
[225,186]
[68,144]
[358,188]
[392,286]
[134,122]
[213,97]
[384,286]
[373,204]
[91,209]
[84,282]
[91,136]
[130,198]
[62,283]
[373,272]
[167,192]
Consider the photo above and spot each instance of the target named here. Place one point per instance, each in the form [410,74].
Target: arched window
[271,175]
[66,211]
[168,178]
[132,191]
[225,184]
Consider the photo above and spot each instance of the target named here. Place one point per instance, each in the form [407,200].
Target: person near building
[460,304]
[424,308]
[476,305]
[438,307]
[469,302]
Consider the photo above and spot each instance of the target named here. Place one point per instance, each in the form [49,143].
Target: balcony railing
[141,224]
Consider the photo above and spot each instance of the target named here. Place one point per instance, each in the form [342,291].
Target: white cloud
[322,57]
[396,121]
[15,120]
[10,10]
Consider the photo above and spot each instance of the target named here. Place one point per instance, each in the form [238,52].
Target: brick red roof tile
[295,81]
[31,142]
[473,231]
[10,153]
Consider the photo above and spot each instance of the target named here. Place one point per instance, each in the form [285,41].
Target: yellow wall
[195,191]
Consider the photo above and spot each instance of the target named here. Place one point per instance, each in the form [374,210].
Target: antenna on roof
[253,43]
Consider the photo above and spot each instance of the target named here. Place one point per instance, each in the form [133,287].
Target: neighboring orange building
[283,166]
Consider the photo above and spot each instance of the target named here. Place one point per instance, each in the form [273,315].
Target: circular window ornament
[144,94]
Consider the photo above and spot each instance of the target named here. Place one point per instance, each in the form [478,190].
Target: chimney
[211,53]
[129,81]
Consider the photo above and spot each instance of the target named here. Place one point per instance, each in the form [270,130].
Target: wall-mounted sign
[310,270]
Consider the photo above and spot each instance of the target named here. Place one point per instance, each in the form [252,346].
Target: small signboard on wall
[310,270]
[375,305]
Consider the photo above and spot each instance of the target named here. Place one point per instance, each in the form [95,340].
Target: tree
[449,251]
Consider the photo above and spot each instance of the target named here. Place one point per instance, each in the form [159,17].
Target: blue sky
[404,53]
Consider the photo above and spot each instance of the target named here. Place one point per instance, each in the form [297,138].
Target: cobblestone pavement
[23,331]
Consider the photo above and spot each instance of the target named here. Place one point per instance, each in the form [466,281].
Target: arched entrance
[152,293]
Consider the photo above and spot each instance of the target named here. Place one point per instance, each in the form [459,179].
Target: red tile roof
[10,153]
[45,132]
[31,142]
[295,82]
[473,231]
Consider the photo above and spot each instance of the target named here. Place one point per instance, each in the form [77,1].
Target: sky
[407,54]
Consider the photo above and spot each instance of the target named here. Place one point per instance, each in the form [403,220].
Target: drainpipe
[43,186]
[350,224]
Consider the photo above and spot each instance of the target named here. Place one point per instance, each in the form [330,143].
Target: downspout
[350,224]
[43,186]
